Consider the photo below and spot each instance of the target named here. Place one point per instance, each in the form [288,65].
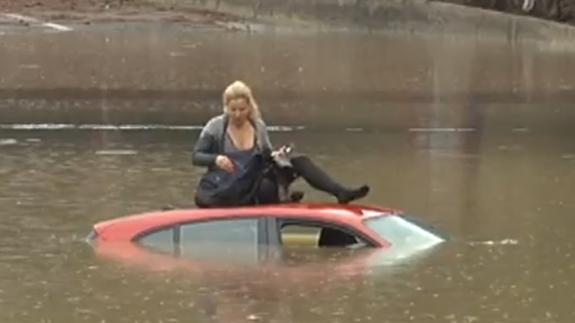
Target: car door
[306,245]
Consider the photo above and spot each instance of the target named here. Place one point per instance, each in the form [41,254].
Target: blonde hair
[239,89]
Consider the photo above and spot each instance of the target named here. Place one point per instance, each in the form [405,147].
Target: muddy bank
[363,15]
[556,10]
[68,5]
[108,11]
[402,15]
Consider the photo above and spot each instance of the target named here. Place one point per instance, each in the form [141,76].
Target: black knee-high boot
[320,180]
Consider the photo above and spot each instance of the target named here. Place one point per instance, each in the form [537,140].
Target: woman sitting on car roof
[236,149]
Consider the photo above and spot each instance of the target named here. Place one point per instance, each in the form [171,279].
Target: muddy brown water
[474,137]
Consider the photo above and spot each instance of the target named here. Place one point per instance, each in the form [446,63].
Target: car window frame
[278,221]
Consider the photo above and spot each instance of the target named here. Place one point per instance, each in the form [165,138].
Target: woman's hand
[225,163]
[283,152]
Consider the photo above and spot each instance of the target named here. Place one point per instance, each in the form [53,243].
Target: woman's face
[238,110]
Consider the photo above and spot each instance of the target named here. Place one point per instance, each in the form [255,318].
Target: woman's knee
[300,161]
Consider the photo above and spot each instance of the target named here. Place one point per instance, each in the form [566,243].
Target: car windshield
[403,233]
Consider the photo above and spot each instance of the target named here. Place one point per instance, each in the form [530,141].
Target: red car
[246,233]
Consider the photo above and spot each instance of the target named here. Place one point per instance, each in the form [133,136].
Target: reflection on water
[363,80]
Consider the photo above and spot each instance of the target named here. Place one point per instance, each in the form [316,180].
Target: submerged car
[243,233]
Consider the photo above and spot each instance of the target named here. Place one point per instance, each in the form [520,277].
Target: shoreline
[411,16]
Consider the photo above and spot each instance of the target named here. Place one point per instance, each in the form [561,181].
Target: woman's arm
[205,150]
[264,136]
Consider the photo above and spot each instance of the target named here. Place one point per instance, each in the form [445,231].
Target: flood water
[474,137]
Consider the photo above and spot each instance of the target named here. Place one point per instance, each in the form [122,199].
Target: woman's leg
[267,192]
[320,180]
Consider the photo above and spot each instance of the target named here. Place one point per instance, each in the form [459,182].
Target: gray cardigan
[211,141]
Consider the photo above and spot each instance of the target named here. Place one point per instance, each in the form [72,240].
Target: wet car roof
[351,214]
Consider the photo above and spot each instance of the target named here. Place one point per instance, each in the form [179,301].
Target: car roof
[128,227]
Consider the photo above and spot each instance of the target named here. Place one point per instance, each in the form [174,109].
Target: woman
[234,147]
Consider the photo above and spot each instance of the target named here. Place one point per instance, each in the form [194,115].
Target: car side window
[300,233]
[162,240]
[227,240]
[220,231]
[295,235]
